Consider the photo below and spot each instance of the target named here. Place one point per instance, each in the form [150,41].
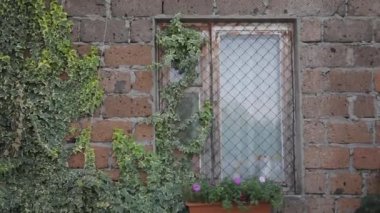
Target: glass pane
[251,106]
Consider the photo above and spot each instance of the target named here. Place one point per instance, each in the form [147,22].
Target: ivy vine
[46,85]
[156,178]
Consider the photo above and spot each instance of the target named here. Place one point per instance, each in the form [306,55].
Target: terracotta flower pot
[217,208]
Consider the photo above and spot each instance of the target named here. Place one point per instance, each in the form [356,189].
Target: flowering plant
[235,191]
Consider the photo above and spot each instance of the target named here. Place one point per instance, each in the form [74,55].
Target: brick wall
[339,48]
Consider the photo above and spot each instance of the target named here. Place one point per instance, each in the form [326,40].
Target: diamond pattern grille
[246,71]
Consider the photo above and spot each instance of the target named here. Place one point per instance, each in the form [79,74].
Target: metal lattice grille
[246,71]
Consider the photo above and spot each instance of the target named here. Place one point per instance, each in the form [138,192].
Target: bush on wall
[45,86]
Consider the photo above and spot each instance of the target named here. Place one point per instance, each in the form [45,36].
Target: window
[246,71]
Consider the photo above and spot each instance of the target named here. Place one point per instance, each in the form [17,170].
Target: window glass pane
[250,106]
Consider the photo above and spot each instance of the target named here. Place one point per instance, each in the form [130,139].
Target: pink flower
[196,187]
[262,179]
[236,180]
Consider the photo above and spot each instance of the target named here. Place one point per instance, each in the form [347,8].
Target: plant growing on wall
[46,85]
[156,179]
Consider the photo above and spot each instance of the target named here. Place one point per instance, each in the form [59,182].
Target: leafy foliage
[46,85]
[229,193]
[369,204]
[152,181]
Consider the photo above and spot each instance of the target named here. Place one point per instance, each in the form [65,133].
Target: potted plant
[233,195]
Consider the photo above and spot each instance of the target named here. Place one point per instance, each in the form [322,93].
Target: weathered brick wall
[339,51]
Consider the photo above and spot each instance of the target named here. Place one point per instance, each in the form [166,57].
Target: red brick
[364,107]
[75,32]
[326,157]
[306,7]
[136,7]
[114,163]
[124,106]
[102,130]
[76,161]
[293,205]
[82,49]
[367,158]
[314,80]
[149,148]
[93,31]
[347,205]
[314,132]
[350,132]
[143,81]
[85,7]
[377,139]
[320,205]
[341,80]
[144,132]
[377,31]
[377,81]
[364,7]
[336,80]
[324,106]
[345,183]
[97,112]
[346,30]
[242,7]
[74,131]
[315,182]
[328,55]
[367,56]
[114,174]
[373,184]
[141,30]
[116,82]
[102,155]
[311,30]
[188,7]
[85,123]
[76,128]
[134,54]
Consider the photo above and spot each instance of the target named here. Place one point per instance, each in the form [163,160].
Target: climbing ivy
[45,86]
[156,178]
